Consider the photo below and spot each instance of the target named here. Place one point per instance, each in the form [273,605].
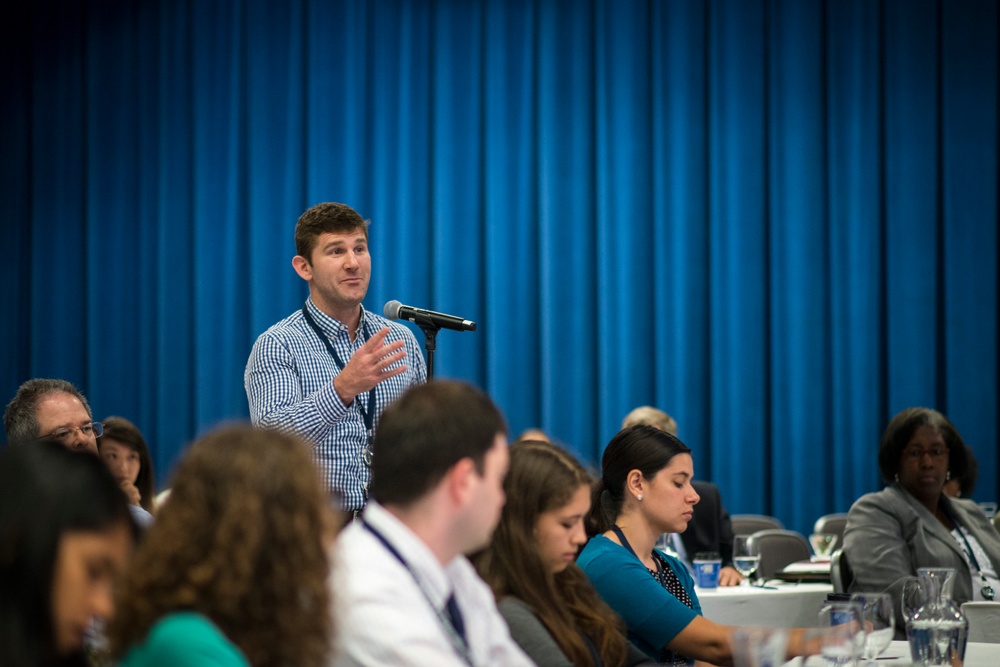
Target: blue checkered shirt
[289,383]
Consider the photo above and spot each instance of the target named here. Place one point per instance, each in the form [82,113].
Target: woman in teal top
[234,570]
[185,638]
[644,491]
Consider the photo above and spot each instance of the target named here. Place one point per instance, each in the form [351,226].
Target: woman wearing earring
[554,613]
[645,490]
[912,524]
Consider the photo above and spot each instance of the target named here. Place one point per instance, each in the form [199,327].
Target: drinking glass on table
[878,621]
[823,544]
[911,597]
[841,634]
[745,557]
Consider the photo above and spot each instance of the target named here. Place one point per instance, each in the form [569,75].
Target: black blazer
[709,528]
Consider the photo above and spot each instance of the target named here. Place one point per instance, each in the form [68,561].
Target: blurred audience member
[645,490]
[44,409]
[710,529]
[536,434]
[124,451]
[56,411]
[912,524]
[406,594]
[961,486]
[552,610]
[65,534]
[650,416]
[234,571]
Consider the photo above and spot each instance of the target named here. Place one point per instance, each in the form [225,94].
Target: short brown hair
[326,218]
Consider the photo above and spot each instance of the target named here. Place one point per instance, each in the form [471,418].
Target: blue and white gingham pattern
[289,384]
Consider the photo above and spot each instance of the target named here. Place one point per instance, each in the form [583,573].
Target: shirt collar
[331,326]
[418,556]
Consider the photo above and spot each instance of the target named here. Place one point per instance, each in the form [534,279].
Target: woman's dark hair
[644,448]
[122,430]
[45,492]
[543,477]
[900,431]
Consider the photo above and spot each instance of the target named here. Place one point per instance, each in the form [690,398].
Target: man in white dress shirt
[405,594]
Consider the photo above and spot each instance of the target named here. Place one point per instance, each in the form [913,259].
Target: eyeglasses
[915,454]
[91,430]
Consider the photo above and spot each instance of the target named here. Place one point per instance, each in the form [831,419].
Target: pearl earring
[947,476]
[639,497]
[896,478]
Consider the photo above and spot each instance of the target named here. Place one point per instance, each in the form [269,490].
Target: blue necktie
[455,614]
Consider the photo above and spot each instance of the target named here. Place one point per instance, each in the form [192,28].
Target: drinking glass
[745,557]
[759,647]
[823,544]
[878,621]
[841,633]
[912,597]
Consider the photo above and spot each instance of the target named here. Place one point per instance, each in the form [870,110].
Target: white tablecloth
[778,606]
[898,653]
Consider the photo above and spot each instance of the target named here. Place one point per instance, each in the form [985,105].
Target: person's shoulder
[514,607]
[286,333]
[599,550]
[887,496]
[185,637]
[285,327]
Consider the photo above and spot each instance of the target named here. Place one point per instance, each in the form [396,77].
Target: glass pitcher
[938,630]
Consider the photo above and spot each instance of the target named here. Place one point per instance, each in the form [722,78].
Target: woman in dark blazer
[912,524]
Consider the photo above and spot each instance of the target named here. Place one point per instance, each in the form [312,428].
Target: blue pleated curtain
[775,219]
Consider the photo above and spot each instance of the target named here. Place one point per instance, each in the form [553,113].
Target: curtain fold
[774,219]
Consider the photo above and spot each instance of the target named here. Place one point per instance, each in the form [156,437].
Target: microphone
[394,310]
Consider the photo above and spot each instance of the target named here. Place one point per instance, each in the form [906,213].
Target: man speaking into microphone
[328,370]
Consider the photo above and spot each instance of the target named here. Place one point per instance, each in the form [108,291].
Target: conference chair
[984,619]
[832,523]
[841,575]
[778,548]
[748,524]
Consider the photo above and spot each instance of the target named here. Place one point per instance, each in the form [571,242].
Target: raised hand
[131,493]
[369,365]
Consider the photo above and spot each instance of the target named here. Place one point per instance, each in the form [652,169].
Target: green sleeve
[188,639]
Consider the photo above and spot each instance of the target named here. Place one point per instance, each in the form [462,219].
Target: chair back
[984,619]
[778,548]
[841,575]
[748,524]
[832,523]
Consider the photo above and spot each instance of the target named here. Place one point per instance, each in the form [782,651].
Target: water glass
[878,620]
[823,544]
[745,557]
[841,633]
[911,597]
[759,647]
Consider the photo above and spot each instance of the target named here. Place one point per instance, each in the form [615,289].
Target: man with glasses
[56,411]
[329,369]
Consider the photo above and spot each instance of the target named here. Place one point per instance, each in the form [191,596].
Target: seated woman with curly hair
[234,570]
[554,613]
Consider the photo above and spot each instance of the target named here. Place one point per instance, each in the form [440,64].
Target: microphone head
[391,309]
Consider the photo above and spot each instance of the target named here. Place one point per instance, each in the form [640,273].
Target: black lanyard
[451,620]
[656,558]
[987,590]
[367,413]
